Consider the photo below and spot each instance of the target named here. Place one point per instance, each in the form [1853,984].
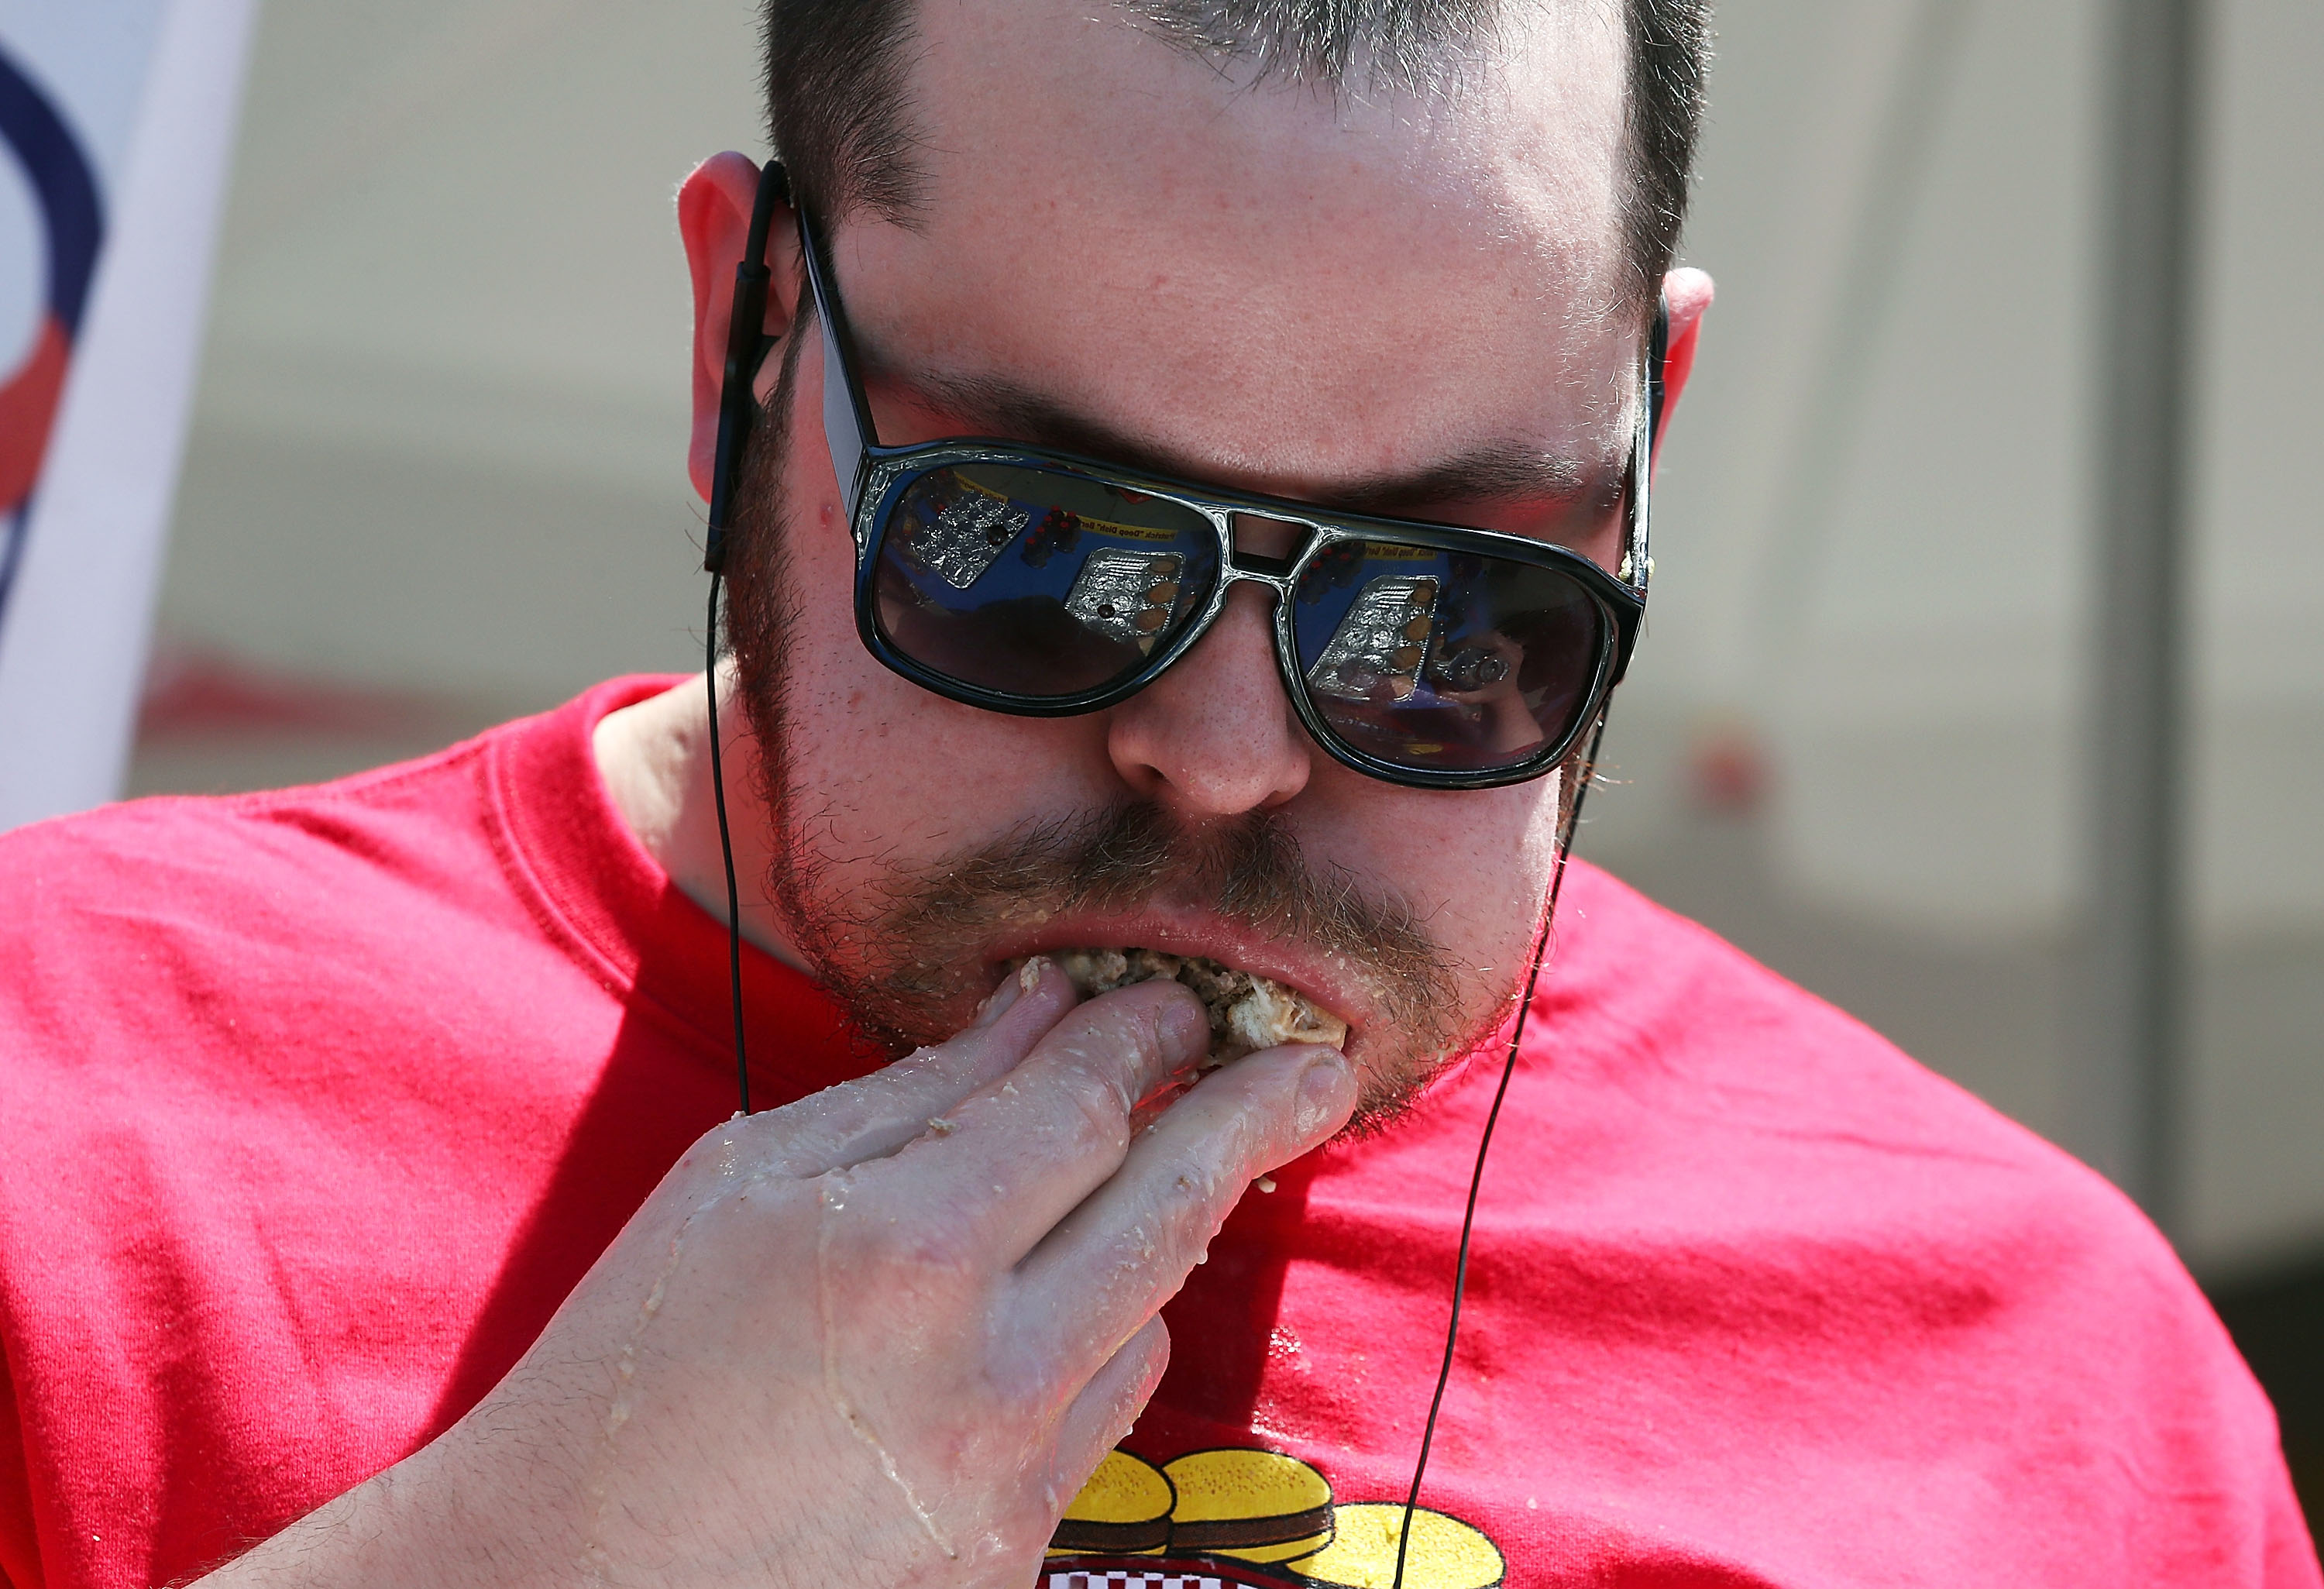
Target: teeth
[1247,1012]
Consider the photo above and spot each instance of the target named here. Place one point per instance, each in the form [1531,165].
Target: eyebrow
[1498,473]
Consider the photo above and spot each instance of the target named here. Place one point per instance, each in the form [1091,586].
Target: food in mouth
[1248,1013]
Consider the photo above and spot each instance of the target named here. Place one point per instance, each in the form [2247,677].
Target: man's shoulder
[163,830]
[1670,1080]
[146,865]
[1641,998]
[149,926]
[1771,1145]
[143,869]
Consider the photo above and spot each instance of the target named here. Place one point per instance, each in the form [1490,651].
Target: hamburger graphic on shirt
[1241,1517]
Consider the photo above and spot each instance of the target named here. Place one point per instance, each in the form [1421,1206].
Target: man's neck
[655,760]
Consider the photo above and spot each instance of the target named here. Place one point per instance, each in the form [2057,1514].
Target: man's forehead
[1517,141]
[1515,471]
[1268,280]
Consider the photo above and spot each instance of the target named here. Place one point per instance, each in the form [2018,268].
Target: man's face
[1410,306]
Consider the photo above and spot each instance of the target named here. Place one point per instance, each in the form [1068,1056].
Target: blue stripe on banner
[12,547]
[61,177]
[65,186]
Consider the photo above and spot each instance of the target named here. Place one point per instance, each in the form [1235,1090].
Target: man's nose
[1216,736]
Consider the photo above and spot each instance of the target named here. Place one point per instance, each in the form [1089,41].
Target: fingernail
[996,1003]
[1324,1089]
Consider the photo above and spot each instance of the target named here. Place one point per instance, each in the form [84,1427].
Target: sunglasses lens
[1447,661]
[1035,582]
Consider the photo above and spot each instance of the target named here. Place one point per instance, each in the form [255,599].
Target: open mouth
[1247,1011]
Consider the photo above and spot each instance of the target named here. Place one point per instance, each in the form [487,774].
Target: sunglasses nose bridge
[1245,564]
[1255,550]
[1262,540]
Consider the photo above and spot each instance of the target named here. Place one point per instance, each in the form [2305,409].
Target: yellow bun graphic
[1446,1553]
[1257,1505]
[1124,1509]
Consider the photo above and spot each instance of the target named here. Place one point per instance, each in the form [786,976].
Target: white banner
[117,132]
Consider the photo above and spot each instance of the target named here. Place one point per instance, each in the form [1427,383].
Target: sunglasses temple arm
[1657,358]
[847,422]
[1637,564]
[842,430]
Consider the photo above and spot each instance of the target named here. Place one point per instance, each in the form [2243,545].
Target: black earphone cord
[725,843]
[1588,771]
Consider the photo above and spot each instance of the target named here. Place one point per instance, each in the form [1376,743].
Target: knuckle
[1173,1013]
[937,1253]
[1095,1112]
[1129,1028]
[1020,1394]
[1221,1133]
[928,1253]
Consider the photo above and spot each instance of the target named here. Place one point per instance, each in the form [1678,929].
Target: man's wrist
[412,1527]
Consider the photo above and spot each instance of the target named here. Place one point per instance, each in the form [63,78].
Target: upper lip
[1322,977]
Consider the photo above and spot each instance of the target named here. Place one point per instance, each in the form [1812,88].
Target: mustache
[1251,872]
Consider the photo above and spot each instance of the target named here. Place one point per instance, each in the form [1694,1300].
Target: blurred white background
[438,477]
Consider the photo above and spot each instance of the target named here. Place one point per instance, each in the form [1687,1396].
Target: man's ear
[714,219]
[1687,293]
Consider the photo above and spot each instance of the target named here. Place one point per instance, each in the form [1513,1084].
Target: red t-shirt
[319,1102]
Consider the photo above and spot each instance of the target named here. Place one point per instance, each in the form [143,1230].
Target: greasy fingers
[1021,1153]
[1111,1264]
[874,1115]
[1109,1404]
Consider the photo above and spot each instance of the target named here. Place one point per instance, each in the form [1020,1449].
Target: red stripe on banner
[28,408]
[198,694]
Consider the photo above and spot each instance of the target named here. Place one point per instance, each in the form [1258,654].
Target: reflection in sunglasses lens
[1441,660]
[1036,582]
[1380,644]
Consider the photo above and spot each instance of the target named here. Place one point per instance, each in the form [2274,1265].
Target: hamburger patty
[1247,1012]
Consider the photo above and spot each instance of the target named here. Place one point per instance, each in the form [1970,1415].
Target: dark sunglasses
[1039,583]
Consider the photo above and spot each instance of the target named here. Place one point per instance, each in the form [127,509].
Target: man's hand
[878,1337]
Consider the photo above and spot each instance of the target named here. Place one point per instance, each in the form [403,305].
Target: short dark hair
[835,89]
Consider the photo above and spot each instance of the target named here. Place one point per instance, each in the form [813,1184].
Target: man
[372,1152]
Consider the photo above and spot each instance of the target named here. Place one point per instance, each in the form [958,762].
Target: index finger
[873,1116]
[1021,1152]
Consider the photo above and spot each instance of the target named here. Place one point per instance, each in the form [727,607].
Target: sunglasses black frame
[873,476]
